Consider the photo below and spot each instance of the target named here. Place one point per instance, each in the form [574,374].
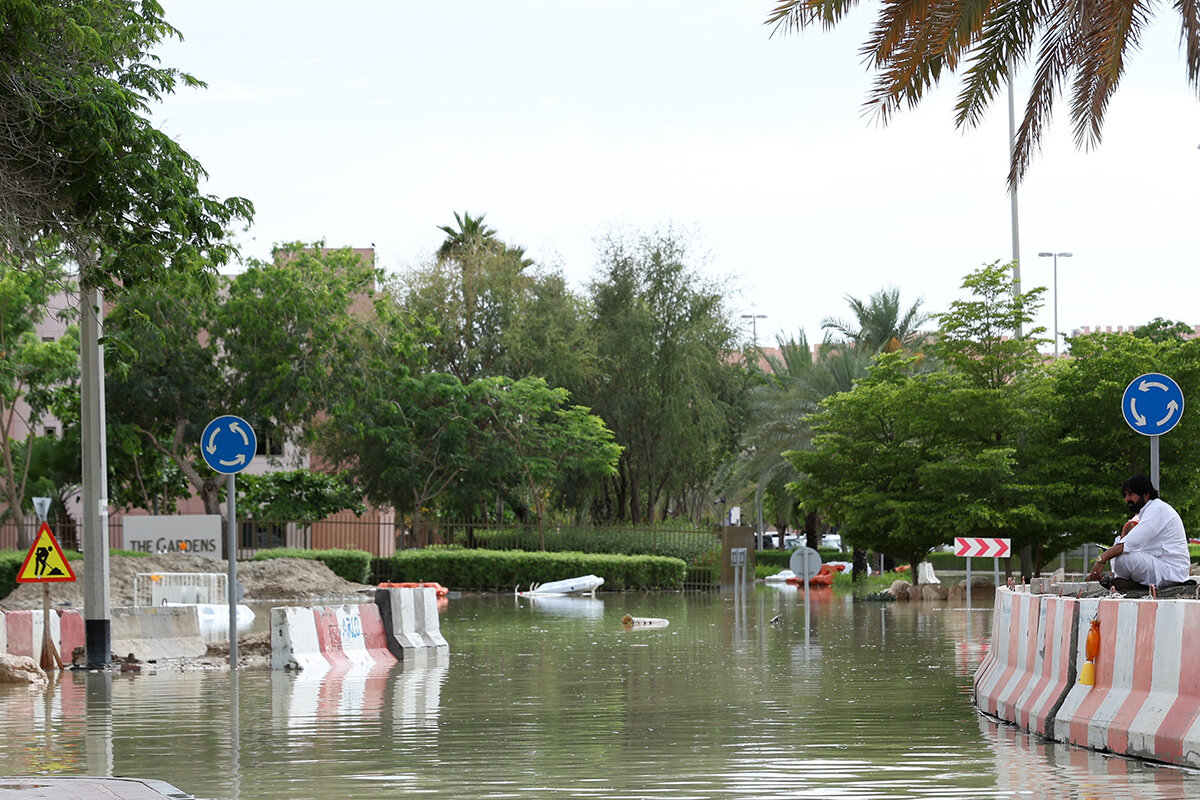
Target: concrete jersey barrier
[410,618]
[157,633]
[325,636]
[1145,701]
[21,633]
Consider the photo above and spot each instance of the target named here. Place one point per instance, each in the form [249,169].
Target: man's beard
[1135,506]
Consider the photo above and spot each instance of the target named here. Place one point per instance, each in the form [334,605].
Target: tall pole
[97,611]
[231,588]
[1055,257]
[1012,189]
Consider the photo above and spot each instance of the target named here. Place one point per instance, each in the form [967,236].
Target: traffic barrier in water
[410,620]
[160,633]
[21,633]
[1145,701]
[324,636]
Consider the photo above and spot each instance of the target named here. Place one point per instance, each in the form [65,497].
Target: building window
[52,432]
[268,446]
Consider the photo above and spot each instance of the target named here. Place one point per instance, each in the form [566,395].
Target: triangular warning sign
[45,562]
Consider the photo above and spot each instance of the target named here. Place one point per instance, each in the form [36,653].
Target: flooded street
[553,698]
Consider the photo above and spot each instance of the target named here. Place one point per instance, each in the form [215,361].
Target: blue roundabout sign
[228,444]
[1152,404]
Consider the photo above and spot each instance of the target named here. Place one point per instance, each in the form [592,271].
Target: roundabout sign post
[1152,405]
[227,445]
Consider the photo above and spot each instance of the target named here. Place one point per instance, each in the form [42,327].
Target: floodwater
[554,699]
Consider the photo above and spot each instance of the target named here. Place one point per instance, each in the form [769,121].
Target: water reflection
[1031,766]
[558,700]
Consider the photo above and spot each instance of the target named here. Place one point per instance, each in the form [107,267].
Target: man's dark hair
[1140,484]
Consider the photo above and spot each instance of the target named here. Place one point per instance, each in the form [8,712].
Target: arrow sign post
[227,445]
[1152,405]
[978,547]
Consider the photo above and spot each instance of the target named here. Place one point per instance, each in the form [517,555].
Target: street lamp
[1055,256]
[754,318]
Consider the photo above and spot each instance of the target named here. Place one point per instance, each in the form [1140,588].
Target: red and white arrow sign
[980,548]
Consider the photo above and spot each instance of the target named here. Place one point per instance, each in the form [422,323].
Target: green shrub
[350,565]
[10,564]
[509,569]
[681,544]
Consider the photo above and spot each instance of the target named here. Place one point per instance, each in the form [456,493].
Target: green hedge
[350,565]
[478,570]
[686,545]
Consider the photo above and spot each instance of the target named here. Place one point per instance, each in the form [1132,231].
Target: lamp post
[754,318]
[1055,256]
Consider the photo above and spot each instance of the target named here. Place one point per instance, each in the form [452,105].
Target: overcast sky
[373,122]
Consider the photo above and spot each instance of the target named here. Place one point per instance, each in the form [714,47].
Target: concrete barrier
[1055,671]
[1145,701]
[398,609]
[410,618]
[1011,658]
[22,632]
[324,636]
[429,627]
[161,633]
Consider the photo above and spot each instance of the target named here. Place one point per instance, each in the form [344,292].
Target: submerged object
[629,622]
[585,584]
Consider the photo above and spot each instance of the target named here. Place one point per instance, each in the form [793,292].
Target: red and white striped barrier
[328,636]
[1012,659]
[23,633]
[1146,699]
[1052,676]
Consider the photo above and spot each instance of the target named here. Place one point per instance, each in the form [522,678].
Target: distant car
[790,541]
[832,540]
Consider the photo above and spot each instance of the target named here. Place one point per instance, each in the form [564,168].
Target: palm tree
[1081,45]
[881,325]
[470,237]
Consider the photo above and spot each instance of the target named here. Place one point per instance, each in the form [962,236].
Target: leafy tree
[495,312]
[300,496]
[33,377]
[667,386]
[978,335]
[1083,46]
[276,344]
[905,462]
[547,439]
[79,159]
[285,334]
[1160,330]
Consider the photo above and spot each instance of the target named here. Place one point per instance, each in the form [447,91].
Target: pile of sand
[273,579]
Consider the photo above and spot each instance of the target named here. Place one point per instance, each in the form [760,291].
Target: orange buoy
[1093,641]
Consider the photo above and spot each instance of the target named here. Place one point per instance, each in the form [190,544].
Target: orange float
[442,591]
[824,576]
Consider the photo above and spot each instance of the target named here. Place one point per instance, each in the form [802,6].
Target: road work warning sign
[45,562]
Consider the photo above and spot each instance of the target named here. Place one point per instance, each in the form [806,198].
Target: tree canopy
[80,161]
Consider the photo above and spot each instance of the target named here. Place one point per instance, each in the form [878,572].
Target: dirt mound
[273,579]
